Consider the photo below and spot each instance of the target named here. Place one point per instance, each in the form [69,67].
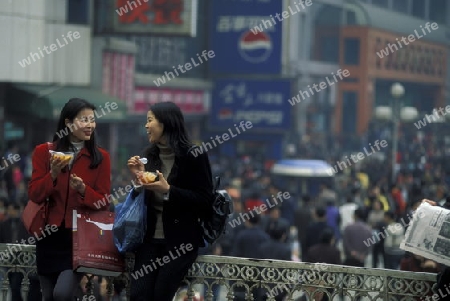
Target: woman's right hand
[56,164]
[135,166]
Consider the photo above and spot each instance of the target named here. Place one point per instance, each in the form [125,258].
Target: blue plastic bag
[130,223]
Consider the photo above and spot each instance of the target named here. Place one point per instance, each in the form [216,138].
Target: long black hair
[62,135]
[170,115]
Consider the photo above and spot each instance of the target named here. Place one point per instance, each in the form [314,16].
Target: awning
[303,168]
[46,101]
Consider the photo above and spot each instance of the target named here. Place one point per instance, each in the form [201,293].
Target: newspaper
[428,233]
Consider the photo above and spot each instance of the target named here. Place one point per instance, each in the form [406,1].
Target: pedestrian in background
[315,229]
[70,185]
[394,235]
[354,237]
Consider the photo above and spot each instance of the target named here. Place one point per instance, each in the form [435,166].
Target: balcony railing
[250,279]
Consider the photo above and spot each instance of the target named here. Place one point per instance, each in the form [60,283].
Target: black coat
[277,250]
[13,231]
[248,243]
[190,198]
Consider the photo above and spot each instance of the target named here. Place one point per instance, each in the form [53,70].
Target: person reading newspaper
[443,277]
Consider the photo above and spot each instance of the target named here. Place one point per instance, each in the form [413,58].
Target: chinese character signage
[157,55]
[240,42]
[189,101]
[169,17]
[424,59]
[264,103]
[118,76]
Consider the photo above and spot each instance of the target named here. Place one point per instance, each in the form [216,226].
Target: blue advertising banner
[263,103]
[241,41]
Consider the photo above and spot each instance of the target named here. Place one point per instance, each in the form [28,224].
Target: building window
[349,112]
[78,12]
[351,17]
[326,34]
[329,50]
[418,8]
[400,6]
[382,3]
[351,51]
[438,9]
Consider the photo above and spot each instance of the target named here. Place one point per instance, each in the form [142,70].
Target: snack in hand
[148,177]
[62,156]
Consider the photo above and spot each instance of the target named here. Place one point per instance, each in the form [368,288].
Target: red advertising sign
[155,16]
[190,101]
[164,11]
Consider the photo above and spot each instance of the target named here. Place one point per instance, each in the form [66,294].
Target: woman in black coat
[175,203]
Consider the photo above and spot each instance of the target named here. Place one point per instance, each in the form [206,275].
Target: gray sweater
[167,157]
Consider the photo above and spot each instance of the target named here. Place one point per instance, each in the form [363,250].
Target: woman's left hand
[77,183]
[158,186]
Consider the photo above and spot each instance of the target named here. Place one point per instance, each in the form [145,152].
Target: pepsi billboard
[263,103]
[238,45]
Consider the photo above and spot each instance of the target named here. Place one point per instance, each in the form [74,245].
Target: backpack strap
[190,149]
[216,183]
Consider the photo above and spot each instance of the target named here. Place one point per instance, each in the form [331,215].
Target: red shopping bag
[94,251]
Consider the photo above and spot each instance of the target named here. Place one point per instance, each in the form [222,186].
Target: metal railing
[230,278]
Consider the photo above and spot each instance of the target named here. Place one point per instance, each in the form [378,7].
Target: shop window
[418,8]
[78,12]
[349,112]
[351,54]
[400,6]
[438,9]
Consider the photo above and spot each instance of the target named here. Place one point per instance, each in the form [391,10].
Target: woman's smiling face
[155,129]
[82,126]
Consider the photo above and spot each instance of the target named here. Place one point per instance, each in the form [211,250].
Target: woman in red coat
[69,184]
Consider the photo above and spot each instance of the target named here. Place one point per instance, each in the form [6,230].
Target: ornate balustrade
[249,279]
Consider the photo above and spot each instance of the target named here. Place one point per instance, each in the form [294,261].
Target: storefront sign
[190,101]
[417,58]
[168,17]
[264,103]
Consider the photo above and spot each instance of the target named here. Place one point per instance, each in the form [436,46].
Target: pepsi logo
[255,48]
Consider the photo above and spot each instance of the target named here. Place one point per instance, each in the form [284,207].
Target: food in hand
[148,177]
[63,157]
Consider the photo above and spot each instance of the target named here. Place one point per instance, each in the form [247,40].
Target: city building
[360,36]
[45,62]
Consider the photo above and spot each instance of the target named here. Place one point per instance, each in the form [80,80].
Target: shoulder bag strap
[50,146]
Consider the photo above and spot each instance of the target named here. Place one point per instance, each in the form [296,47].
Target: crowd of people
[359,221]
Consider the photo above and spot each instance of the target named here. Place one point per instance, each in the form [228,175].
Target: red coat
[66,199]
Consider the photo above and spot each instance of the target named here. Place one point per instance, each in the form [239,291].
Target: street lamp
[397,91]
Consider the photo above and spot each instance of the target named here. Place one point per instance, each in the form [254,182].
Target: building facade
[361,37]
